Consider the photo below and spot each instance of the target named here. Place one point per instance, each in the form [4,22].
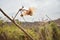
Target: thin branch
[51,20]
[16,15]
[21,9]
[16,24]
[48,17]
[24,19]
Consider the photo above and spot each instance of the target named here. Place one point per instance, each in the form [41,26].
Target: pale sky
[42,7]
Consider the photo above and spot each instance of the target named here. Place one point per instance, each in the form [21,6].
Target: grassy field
[49,31]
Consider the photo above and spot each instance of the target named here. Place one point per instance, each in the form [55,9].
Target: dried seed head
[28,12]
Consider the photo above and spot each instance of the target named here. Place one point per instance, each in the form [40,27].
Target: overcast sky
[42,7]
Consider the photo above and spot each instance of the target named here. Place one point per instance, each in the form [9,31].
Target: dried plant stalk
[16,24]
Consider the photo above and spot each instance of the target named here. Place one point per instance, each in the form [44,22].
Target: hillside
[57,21]
[34,24]
[38,23]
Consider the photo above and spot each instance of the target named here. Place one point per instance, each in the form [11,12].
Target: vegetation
[49,31]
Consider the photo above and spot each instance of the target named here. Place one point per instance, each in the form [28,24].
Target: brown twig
[15,15]
[21,9]
[16,24]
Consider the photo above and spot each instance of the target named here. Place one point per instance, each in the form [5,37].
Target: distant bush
[46,32]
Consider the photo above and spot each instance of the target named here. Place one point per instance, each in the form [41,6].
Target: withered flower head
[28,12]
